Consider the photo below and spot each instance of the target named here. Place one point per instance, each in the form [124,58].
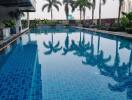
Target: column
[28,21]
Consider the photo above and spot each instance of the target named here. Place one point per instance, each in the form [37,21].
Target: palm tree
[120,6]
[90,58]
[52,48]
[84,11]
[101,2]
[93,9]
[82,4]
[50,4]
[66,4]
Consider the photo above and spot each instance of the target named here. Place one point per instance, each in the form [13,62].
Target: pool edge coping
[121,34]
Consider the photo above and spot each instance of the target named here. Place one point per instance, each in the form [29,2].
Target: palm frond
[47,46]
[49,8]
[57,7]
[104,1]
[59,3]
[44,6]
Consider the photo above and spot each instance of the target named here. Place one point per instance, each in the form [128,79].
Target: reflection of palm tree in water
[52,48]
[116,71]
[111,70]
[98,59]
[67,47]
[126,79]
[81,47]
[101,61]
[90,57]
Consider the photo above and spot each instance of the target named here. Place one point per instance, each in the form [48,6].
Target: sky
[109,10]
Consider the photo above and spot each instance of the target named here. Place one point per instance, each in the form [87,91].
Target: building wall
[4,14]
[127,6]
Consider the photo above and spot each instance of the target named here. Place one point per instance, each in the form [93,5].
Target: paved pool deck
[121,34]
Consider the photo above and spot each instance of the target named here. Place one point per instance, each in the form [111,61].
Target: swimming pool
[66,64]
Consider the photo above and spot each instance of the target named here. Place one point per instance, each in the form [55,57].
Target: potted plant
[10,24]
[15,15]
[6,29]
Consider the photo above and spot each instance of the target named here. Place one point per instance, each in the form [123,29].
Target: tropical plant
[82,4]
[93,9]
[124,22]
[9,23]
[119,12]
[127,18]
[66,4]
[50,4]
[101,2]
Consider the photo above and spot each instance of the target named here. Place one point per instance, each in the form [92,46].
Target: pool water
[66,64]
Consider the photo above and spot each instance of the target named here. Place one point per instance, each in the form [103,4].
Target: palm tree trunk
[67,11]
[52,38]
[51,14]
[100,13]
[119,13]
[92,14]
[130,62]
[98,44]
[83,16]
[80,37]
[80,15]
[116,55]
[92,45]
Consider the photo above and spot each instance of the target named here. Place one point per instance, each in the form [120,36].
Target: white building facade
[127,6]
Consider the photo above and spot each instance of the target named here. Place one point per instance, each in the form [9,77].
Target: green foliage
[50,4]
[9,23]
[129,15]
[124,22]
[116,27]
[129,30]
[24,23]
[35,23]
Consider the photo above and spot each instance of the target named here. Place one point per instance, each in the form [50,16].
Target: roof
[25,5]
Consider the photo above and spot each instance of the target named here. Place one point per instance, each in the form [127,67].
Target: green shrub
[24,23]
[124,22]
[129,30]
[9,23]
[116,29]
